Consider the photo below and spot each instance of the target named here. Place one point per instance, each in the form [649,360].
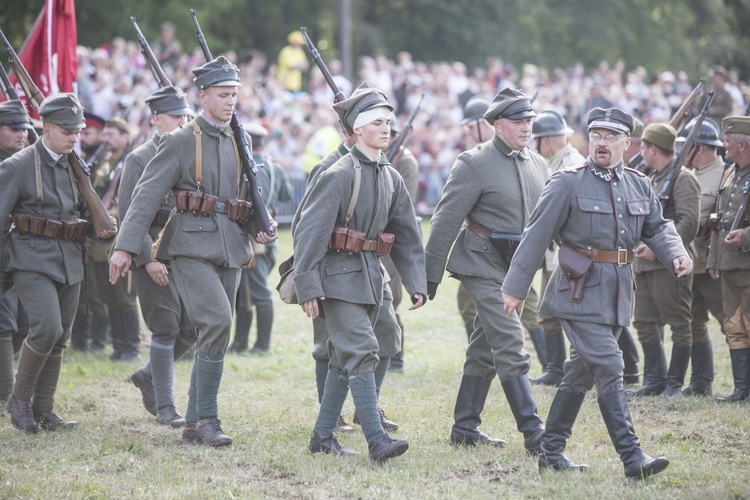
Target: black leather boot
[630,375]
[677,369]
[522,404]
[264,320]
[560,419]
[638,465]
[467,415]
[100,333]
[241,330]
[322,444]
[740,367]
[540,344]
[654,371]
[556,355]
[80,333]
[702,362]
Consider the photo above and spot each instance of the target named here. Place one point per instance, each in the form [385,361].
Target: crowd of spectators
[114,80]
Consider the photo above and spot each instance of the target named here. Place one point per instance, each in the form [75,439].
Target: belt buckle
[622,257]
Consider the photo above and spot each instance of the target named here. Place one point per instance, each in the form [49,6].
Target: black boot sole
[395,452]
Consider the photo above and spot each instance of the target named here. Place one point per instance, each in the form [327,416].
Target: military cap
[660,134]
[511,104]
[736,125]
[217,73]
[169,101]
[613,119]
[118,124]
[14,115]
[63,110]
[549,123]
[364,98]
[475,108]
[93,120]
[708,133]
[255,130]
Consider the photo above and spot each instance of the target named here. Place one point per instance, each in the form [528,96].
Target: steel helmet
[475,109]
[708,133]
[549,123]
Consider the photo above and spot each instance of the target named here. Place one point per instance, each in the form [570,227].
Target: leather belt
[621,256]
[369,245]
[477,228]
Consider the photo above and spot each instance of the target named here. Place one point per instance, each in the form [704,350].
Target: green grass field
[269,404]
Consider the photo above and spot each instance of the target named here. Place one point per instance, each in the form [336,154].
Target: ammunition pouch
[35,225]
[162,215]
[507,243]
[576,266]
[350,240]
[197,202]
[239,210]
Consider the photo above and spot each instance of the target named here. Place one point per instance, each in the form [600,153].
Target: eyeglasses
[609,138]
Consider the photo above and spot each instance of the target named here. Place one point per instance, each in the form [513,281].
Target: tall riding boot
[241,330]
[6,368]
[702,363]
[470,400]
[265,325]
[540,344]
[44,392]
[80,333]
[629,356]
[30,365]
[116,331]
[560,419]
[654,371]
[131,334]
[100,333]
[556,355]
[740,366]
[616,414]
[677,369]
[522,404]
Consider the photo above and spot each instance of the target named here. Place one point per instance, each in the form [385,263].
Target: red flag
[49,52]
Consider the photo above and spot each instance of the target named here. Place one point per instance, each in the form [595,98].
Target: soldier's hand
[714,273]
[734,240]
[264,239]
[432,289]
[512,304]
[106,234]
[119,265]
[311,307]
[643,252]
[158,273]
[683,266]
[417,300]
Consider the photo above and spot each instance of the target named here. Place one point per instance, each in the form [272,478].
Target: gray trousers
[706,298]
[595,358]
[51,307]
[353,347]
[662,299]
[208,292]
[162,309]
[496,346]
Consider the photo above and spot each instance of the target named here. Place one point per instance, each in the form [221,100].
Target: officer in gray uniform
[347,282]
[172,333]
[14,323]
[38,187]
[204,247]
[728,256]
[254,291]
[597,212]
[489,195]
[708,168]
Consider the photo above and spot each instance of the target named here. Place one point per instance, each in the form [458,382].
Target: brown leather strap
[620,257]
[477,228]
[369,245]
[198,154]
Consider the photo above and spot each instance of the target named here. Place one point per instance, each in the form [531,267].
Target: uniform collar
[507,151]
[606,174]
[47,155]
[382,161]
[210,127]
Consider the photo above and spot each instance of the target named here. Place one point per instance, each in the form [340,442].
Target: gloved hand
[431,289]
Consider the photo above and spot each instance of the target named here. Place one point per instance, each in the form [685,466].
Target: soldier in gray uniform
[597,212]
[660,298]
[728,256]
[708,168]
[347,282]
[38,187]
[14,323]
[172,333]
[205,250]
[489,195]
[254,291]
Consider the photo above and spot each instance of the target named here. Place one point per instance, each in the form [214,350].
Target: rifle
[99,217]
[665,194]
[148,54]
[679,120]
[397,148]
[337,95]
[11,94]
[249,168]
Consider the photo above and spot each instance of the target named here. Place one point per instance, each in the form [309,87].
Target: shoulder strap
[198,154]
[38,180]
[355,191]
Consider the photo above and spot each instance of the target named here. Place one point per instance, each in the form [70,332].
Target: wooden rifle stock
[12,95]
[337,95]
[148,54]
[99,217]
[665,194]
[682,116]
[397,148]
[250,169]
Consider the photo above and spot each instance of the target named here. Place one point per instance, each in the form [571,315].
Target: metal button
[640,210]
[343,269]
[729,204]
[619,199]
[200,228]
[614,183]
[620,216]
[622,231]
[596,207]
[485,248]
